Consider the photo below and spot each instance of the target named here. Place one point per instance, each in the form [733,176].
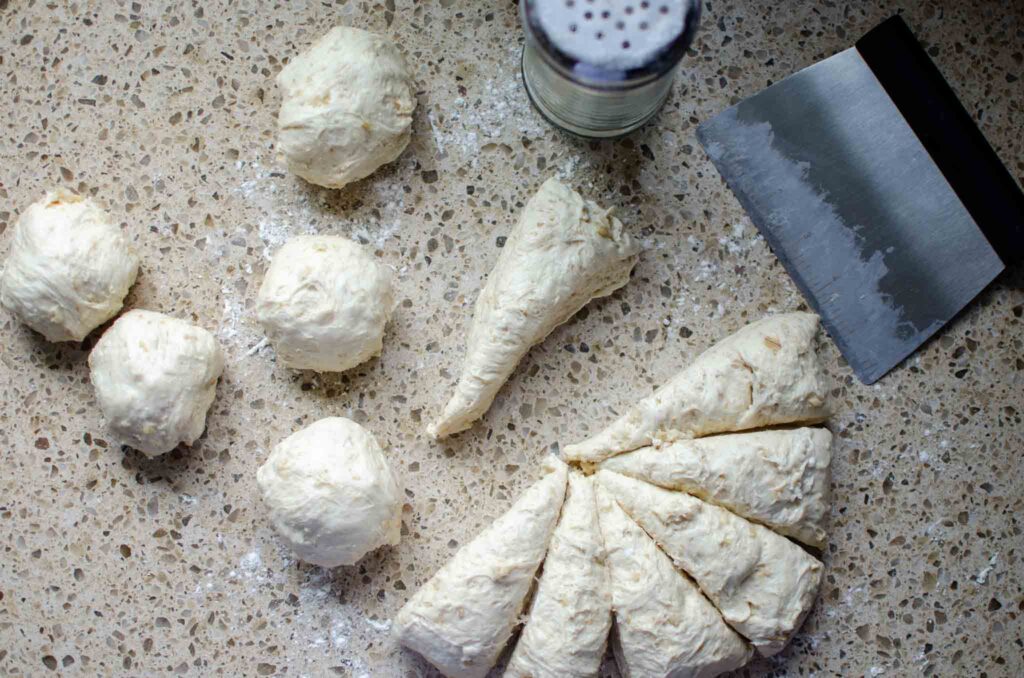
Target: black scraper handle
[948,133]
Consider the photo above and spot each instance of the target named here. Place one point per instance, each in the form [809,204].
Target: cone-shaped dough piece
[564,252]
[571,614]
[664,626]
[779,478]
[461,619]
[762,583]
[765,374]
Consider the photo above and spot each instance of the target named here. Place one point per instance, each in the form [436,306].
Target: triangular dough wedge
[762,583]
[462,618]
[567,631]
[764,375]
[779,478]
[664,626]
[564,252]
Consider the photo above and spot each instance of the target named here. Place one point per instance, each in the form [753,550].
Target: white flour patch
[330,627]
[568,167]
[237,331]
[734,241]
[499,110]
[705,270]
[379,626]
[282,217]
[983,573]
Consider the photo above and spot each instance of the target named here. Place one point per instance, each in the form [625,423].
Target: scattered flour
[498,111]
[983,573]
[735,242]
[283,217]
[705,270]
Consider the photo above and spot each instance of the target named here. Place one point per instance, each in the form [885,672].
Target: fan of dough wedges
[675,546]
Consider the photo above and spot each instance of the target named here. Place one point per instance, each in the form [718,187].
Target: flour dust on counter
[165,113]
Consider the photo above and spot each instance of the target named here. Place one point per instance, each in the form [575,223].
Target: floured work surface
[171,564]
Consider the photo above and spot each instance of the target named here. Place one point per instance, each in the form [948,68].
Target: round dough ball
[332,496]
[324,303]
[155,378]
[69,268]
[346,107]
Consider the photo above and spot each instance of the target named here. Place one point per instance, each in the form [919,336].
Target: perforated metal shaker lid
[609,41]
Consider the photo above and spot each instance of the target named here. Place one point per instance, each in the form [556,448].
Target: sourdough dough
[766,374]
[324,303]
[779,478]
[331,494]
[567,629]
[69,267]
[346,107]
[663,624]
[155,378]
[462,618]
[563,252]
[762,583]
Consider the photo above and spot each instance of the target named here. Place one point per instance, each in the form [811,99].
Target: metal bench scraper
[876,190]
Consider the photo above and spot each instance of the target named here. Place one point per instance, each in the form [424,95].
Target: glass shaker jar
[602,68]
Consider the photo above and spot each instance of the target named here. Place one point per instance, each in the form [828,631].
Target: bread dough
[765,374]
[779,478]
[762,583]
[564,252]
[69,267]
[324,303]
[663,625]
[346,107]
[331,494]
[462,618]
[155,378]
[570,616]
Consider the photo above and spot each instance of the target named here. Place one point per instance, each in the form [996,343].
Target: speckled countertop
[115,564]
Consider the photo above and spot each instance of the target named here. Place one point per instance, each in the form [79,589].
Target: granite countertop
[115,564]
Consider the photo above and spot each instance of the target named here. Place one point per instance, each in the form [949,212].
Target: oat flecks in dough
[346,107]
[567,629]
[563,252]
[462,618]
[779,478]
[331,494]
[69,267]
[324,303]
[155,378]
[664,626]
[766,374]
[762,583]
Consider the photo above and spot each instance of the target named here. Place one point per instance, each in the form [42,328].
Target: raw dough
[765,374]
[762,583]
[331,494]
[462,618]
[779,478]
[664,626]
[564,252]
[346,107]
[69,267]
[324,303]
[155,378]
[567,630]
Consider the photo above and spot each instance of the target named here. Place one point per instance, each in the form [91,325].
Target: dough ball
[69,267]
[346,107]
[324,303]
[332,496]
[155,378]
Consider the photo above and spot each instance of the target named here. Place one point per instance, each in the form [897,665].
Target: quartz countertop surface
[114,564]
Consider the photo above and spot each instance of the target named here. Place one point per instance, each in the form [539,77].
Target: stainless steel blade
[851,202]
